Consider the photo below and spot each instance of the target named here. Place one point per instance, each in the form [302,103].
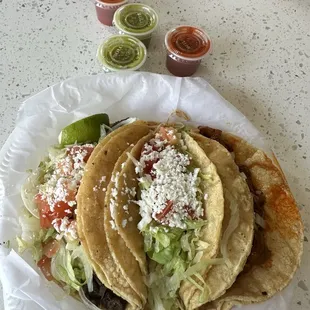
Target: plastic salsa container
[105,10]
[186,46]
[121,53]
[138,20]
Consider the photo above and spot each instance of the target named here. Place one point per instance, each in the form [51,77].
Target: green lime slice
[83,130]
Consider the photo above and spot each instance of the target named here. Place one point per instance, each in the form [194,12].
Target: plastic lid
[111,2]
[136,19]
[187,42]
[122,52]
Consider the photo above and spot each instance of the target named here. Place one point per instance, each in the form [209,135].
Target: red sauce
[106,9]
[180,67]
[186,47]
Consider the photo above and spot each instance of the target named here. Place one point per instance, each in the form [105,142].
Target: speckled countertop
[260,63]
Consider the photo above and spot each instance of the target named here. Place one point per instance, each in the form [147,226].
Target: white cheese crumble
[65,227]
[66,177]
[173,191]
[124,223]
[113,225]
[103,179]
[61,185]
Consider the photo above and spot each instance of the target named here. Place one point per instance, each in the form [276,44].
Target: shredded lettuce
[72,268]
[86,270]
[207,177]
[173,252]
[144,183]
[33,235]
[195,224]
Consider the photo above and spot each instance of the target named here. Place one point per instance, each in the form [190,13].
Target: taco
[50,222]
[162,216]
[278,235]
[181,206]
[91,201]
[238,224]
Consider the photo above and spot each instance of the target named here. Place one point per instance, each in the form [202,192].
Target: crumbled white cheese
[130,191]
[113,205]
[113,225]
[124,223]
[103,179]
[65,227]
[114,192]
[66,178]
[71,203]
[172,183]
[130,219]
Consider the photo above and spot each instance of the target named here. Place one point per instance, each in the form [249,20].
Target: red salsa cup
[106,8]
[186,46]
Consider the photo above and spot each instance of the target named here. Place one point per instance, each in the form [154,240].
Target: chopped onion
[134,160]
[260,221]
[243,175]
[126,121]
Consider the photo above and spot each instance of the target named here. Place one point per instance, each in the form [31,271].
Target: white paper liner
[41,118]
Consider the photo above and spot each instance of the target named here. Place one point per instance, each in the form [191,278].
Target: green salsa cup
[121,53]
[137,20]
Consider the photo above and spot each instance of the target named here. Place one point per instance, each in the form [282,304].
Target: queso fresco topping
[169,189]
[56,198]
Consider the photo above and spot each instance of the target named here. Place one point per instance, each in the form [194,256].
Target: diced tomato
[149,167]
[44,211]
[88,149]
[51,248]
[64,168]
[147,151]
[45,265]
[190,212]
[61,210]
[169,134]
[165,211]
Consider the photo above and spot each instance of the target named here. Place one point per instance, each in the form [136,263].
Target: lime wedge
[83,130]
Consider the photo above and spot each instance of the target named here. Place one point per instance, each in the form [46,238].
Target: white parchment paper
[40,120]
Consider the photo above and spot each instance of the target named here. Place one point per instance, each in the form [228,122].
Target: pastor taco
[278,235]
[238,224]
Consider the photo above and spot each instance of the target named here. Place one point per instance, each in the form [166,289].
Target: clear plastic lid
[136,19]
[188,43]
[122,53]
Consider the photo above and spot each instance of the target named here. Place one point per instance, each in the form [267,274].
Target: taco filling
[49,225]
[172,216]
